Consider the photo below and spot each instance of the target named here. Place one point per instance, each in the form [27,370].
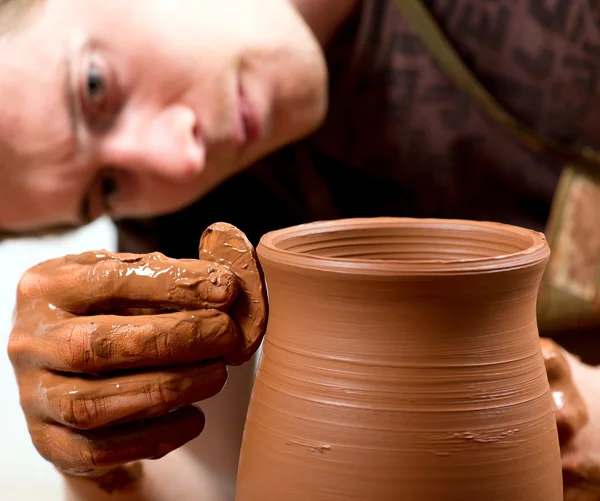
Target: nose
[167,144]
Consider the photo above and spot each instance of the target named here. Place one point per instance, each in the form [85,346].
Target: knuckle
[17,349]
[164,392]
[88,257]
[155,342]
[106,276]
[76,344]
[28,286]
[81,413]
[66,411]
[89,455]
[218,328]
[164,344]
[44,442]
[102,272]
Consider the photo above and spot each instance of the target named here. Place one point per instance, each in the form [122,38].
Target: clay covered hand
[111,350]
[575,388]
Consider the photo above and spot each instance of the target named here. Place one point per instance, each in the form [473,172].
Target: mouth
[248,126]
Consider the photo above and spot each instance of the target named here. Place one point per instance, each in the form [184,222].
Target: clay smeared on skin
[401,361]
[161,284]
[111,349]
[227,246]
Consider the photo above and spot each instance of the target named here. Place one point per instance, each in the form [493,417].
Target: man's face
[146,105]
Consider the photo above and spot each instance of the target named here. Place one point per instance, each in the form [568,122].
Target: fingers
[570,409]
[93,282]
[87,404]
[581,477]
[225,244]
[80,452]
[104,343]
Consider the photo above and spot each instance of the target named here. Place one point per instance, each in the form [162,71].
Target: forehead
[33,84]
[146,28]
[127,18]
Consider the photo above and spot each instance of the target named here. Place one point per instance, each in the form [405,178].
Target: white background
[24,475]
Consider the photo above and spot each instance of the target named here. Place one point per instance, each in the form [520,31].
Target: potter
[267,114]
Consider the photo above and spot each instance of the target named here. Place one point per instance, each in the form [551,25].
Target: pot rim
[535,248]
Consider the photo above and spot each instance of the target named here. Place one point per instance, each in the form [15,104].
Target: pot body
[401,362]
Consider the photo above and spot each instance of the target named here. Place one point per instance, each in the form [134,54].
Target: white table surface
[24,475]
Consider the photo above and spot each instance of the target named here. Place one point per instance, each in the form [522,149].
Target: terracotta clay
[401,362]
[227,246]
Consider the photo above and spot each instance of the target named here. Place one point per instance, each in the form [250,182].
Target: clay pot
[401,363]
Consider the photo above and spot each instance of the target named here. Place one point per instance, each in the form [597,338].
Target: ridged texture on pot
[401,362]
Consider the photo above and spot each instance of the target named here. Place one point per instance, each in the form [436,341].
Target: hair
[51,231]
[13,13]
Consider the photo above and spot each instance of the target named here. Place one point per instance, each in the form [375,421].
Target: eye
[95,85]
[97,91]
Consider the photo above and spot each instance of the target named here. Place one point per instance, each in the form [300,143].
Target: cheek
[34,116]
[35,199]
[146,195]
[298,77]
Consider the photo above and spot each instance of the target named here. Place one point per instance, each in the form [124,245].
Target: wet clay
[111,350]
[99,282]
[227,246]
[401,362]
